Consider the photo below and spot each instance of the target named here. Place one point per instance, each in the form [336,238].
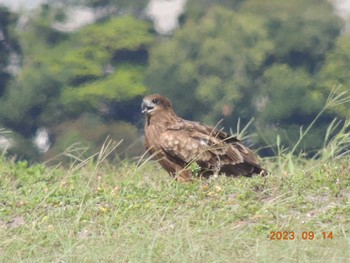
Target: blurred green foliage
[281,81]
[202,57]
[8,45]
[124,84]
[115,7]
[335,72]
[88,133]
[247,59]
[301,31]
[273,60]
[95,70]
[65,75]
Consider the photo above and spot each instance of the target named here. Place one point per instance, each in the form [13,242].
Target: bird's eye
[155,101]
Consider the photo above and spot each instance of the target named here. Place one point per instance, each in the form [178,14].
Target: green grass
[99,212]
[94,211]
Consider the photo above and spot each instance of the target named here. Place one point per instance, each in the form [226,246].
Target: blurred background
[76,70]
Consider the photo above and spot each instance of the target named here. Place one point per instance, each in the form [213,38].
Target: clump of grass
[336,140]
[95,211]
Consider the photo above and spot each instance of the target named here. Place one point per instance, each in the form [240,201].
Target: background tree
[302,36]
[335,71]
[302,31]
[195,9]
[66,75]
[9,46]
[210,63]
[287,100]
[251,58]
[105,9]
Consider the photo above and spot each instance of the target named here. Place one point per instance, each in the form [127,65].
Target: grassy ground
[103,213]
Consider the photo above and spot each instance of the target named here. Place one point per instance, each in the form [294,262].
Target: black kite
[177,143]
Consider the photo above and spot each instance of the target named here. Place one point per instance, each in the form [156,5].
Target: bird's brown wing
[179,144]
[191,141]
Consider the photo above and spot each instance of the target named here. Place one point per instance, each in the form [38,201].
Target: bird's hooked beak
[146,108]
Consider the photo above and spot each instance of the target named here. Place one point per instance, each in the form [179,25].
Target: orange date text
[305,235]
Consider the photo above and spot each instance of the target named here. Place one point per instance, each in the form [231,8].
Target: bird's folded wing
[194,145]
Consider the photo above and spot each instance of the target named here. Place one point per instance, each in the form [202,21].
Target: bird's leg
[215,174]
[263,173]
[216,169]
[184,176]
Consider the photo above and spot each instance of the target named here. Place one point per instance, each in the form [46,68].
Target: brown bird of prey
[177,144]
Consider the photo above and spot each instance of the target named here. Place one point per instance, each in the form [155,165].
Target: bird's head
[153,103]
